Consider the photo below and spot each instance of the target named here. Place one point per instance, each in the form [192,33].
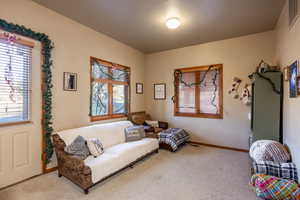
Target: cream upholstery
[117,153]
[109,133]
[118,156]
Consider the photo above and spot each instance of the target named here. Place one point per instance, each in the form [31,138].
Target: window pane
[119,75]
[209,93]
[119,99]
[100,71]
[99,99]
[15,64]
[187,94]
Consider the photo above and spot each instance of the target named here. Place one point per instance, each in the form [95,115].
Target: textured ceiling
[141,23]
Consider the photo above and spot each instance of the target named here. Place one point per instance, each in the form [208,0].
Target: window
[199,92]
[15,83]
[109,90]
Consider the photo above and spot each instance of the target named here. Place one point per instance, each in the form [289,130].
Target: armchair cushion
[152,123]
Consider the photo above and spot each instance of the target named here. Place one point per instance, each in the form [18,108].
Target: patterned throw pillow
[152,123]
[270,187]
[134,133]
[281,170]
[268,150]
[95,147]
[78,148]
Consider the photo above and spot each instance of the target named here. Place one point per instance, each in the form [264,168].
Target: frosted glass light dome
[173,23]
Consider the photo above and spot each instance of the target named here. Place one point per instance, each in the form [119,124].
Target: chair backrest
[139,117]
[109,133]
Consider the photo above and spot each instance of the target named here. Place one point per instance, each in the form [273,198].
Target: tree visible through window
[198,92]
[109,90]
[15,83]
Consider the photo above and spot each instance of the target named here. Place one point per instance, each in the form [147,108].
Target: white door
[20,143]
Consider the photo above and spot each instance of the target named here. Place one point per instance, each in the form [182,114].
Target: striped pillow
[268,150]
[95,147]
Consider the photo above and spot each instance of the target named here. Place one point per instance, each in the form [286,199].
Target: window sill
[14,123]
[200,115]
[106,117]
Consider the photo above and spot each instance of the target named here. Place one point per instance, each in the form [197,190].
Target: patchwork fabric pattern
[270,187]
[268,150]
[95,147]
[173,137]
[78,148]
[281,170]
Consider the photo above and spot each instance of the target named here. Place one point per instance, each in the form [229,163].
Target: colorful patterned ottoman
[172,137]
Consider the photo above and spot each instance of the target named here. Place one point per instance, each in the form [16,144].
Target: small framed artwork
[70,81]
[139,88]
[159,91]
[286,73]
[293,79]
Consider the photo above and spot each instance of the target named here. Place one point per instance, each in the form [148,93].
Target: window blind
[15,82]
[206,94]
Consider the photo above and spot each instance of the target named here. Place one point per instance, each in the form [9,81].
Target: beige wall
[74,44]
[288,51]
[239,57]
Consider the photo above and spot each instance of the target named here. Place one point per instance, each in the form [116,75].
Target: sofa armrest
[163,125]
[70,166]
[73,163]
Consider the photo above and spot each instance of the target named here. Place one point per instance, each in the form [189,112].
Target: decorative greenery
[178,76]
[47,46]
[278,91]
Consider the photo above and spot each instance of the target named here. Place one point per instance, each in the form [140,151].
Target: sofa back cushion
[109,134]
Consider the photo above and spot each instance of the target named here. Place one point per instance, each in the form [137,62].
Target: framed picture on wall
[159,91]
[139,88]
[293,79]
[70,81]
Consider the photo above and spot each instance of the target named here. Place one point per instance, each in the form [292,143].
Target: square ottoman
[172,138]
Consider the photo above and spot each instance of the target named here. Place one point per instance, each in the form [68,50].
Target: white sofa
[117,155]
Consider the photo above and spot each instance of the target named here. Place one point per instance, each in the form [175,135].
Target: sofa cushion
[109,133]
[118,156]
[131,151]
[78,148]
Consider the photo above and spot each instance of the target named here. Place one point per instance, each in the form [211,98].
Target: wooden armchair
[139,118]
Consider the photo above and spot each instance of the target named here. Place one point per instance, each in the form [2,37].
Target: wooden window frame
[198,93]
[110,83]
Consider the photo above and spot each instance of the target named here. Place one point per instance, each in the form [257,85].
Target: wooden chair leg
[86,191]
[59,175]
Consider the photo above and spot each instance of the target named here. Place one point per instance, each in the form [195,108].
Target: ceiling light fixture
[173,23]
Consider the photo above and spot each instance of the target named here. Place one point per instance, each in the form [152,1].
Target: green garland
[47,46]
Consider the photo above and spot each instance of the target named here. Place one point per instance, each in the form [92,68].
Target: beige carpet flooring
[192,173]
